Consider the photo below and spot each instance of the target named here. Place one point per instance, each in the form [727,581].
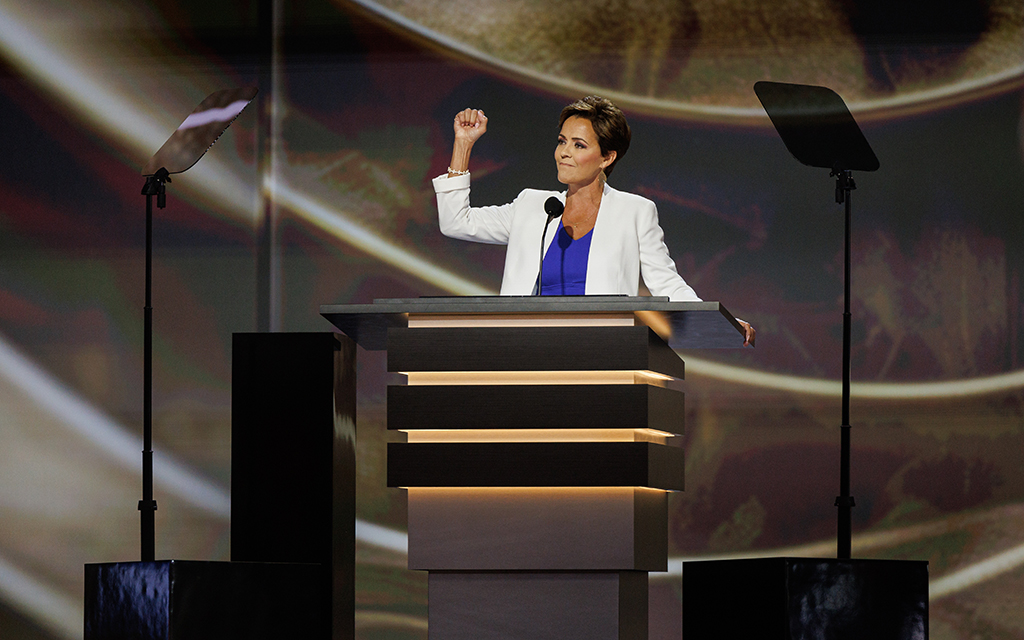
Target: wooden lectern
[542,442]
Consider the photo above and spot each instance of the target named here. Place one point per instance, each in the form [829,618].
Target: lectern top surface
[684,325]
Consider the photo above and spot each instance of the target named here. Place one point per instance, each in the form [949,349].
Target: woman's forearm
[460,158]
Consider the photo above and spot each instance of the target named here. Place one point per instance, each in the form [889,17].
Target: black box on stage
[292,573]
[188,600]
[805,599]
[293,460]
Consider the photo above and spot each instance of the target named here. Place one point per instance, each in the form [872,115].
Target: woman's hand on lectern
[748,333]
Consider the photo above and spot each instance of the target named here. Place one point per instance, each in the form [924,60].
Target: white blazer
[628,241]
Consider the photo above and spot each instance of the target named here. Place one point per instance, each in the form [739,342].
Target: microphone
[554,208]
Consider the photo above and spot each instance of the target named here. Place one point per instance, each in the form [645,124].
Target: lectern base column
[537,606]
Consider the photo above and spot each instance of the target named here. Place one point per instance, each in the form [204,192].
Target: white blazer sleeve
[457,219]
[656,265]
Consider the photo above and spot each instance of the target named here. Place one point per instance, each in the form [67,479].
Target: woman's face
[578,154]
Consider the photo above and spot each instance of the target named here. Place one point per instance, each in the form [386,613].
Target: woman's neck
[589,193]
[582,204]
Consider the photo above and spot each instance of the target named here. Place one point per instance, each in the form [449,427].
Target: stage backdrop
[320,193]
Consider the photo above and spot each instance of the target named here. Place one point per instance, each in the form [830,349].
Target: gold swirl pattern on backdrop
[698,59]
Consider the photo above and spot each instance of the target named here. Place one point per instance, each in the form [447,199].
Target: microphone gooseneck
[554,208]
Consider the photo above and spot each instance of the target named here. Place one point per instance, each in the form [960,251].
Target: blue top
[565,265]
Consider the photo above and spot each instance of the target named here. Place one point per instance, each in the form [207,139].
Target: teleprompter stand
[819,131]
[189,142]
[275,596]
[813,597]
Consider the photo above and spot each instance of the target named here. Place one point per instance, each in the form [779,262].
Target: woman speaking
[606,239]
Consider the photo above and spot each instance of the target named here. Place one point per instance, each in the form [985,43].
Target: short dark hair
[609,124]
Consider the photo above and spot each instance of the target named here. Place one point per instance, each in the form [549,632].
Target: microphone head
[554,207]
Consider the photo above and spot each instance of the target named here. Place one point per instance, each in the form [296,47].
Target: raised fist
[470,124]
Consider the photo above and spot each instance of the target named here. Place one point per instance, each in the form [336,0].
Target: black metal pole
[147,506]
[266,241]
[845,502]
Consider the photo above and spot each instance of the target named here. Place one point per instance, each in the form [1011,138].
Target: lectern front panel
[535,464]
[568,406]
[531,349]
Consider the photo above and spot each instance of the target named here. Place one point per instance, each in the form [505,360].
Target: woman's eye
[580,145]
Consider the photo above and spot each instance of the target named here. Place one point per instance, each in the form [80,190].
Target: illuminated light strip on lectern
[539,377]
[653,319]
[467,320]
[538,435]
[525,492]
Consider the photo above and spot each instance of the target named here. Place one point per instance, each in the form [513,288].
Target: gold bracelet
[458,173]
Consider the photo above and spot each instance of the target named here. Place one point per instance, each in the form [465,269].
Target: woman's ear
[608,159]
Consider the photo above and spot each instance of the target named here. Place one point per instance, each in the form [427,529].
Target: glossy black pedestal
[805,599]
[293,464]
[186,600]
